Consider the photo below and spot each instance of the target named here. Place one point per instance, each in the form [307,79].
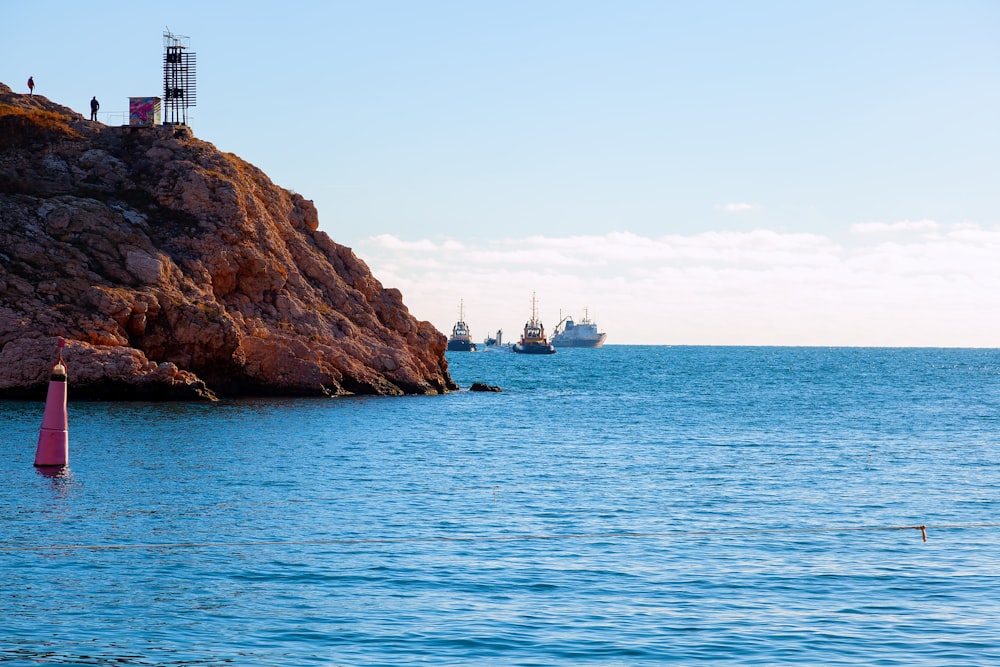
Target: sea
[629,505]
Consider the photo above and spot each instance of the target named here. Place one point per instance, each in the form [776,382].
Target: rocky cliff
[176,271]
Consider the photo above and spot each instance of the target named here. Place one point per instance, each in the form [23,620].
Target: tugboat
[461,339]
[585,334]
[533,339]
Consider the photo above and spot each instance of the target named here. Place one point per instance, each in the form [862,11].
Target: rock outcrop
[176,271]
[482,386]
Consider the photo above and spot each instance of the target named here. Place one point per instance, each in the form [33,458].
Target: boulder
[479,386]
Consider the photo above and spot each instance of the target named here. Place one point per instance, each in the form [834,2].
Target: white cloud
[737,208]
[939,287]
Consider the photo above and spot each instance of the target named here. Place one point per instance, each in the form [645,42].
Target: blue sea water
[623,506]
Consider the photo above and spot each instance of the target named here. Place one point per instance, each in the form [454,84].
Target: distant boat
[583,334]
[533,339]
[496,343]
[461,339]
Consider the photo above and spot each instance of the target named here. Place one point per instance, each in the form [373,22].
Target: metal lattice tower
[179,81]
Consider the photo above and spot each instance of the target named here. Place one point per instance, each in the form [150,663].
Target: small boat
[461,339]
[533,339]
[582,334]
[494,341]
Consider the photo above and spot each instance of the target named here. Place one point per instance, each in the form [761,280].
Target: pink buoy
[53,440]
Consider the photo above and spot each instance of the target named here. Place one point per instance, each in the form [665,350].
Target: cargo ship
[578,334]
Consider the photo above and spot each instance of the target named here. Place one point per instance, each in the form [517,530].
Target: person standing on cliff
[31,86]
[94,106]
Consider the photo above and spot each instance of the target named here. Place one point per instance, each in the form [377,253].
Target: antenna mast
[179,81]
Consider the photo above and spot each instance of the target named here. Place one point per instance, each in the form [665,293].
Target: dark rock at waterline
[479,386]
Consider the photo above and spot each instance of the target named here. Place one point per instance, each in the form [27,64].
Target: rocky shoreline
[177,272]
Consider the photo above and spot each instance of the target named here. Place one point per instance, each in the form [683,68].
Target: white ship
[577,334]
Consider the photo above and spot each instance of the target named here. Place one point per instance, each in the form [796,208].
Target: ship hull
[461,346]
[559,341]
[533,348]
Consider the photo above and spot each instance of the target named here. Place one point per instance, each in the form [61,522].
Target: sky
[697,173]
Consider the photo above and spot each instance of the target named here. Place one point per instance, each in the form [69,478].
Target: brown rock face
[176,271]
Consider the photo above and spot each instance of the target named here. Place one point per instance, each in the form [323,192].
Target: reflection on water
[53,472]
[60,485]
[60,476]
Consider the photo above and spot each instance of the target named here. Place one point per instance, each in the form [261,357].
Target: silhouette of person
[94,106]
[31,85]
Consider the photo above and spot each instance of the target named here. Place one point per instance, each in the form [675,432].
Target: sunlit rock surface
[176,271]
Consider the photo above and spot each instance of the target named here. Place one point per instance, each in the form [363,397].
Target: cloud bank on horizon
[904,283]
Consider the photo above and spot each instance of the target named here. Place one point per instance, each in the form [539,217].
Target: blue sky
[815,173]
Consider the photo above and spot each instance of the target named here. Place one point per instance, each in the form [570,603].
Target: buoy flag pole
[53,440]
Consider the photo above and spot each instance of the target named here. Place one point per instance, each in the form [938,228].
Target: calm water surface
[622,506]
